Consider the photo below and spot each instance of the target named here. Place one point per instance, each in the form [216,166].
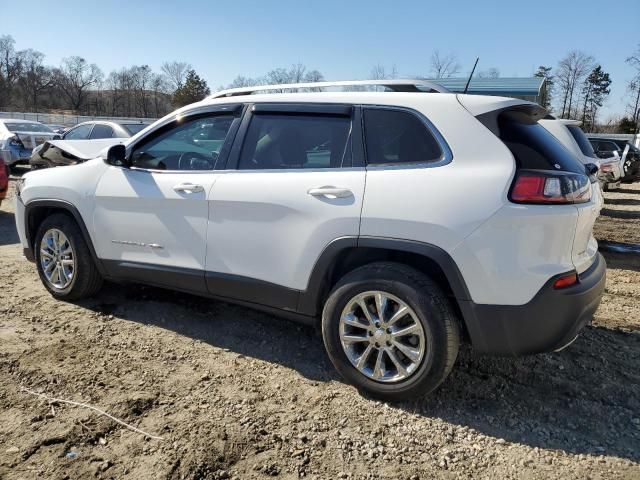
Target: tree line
[579,87]
[576,88]
[28,84]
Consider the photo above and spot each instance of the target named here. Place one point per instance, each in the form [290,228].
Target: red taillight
[546,187]
[566,281]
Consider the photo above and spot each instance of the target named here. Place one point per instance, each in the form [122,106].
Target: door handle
[188,188]
[330,192]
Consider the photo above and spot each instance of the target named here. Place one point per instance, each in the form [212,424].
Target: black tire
[86,280]
[433,310]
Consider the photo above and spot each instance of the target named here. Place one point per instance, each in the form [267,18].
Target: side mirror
[57,137]
[117,156]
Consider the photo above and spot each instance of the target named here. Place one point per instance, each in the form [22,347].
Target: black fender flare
[309,299]
[34,205]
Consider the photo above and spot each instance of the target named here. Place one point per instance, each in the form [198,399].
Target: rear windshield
[582,141]
[27,127]
[134,128]
[533,146]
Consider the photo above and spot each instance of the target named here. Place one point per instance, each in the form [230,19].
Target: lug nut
[388,344]
[388,330]
[377,345]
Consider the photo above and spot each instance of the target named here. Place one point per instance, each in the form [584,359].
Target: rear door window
[396,137]
[81,132]
[101,131]
[294,141]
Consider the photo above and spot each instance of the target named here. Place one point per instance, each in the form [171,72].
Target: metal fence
[65,119]
[629,137]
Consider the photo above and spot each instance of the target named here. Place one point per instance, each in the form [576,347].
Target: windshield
[582,141]
[27,127]
[134,128]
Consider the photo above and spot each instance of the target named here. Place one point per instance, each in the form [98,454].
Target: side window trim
[235,110]
[355,138]
[445,158]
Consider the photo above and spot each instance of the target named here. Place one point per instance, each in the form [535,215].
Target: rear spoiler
[488,109]
[522,113]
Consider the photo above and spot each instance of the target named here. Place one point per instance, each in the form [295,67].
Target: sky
[342,39]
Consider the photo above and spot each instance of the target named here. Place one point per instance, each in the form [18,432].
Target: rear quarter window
[533,146]
[398,137]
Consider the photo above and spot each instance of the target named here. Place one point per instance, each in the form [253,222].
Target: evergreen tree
[594,91]
[627,125]
[547,91]
[193,90]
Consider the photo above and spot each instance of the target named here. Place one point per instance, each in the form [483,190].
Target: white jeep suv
[402,221]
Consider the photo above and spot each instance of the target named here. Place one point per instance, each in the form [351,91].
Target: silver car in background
[18,138]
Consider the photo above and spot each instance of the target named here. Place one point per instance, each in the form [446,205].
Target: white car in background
[569,133]
[18,138]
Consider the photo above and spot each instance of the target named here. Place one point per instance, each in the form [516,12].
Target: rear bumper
[550,321]
[15,155]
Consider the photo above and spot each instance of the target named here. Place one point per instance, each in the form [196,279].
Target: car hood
[86,149]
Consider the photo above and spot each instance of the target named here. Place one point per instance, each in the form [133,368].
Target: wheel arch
[36,211]
[345,254]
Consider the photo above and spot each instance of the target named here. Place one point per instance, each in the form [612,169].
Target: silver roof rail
[393,85]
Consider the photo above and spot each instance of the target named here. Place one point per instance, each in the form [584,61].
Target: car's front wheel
[64,261]
[390,331]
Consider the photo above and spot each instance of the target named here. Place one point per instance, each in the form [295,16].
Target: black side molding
[252,290]
[182,279]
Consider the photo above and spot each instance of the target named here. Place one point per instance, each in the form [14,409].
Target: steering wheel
[196,161]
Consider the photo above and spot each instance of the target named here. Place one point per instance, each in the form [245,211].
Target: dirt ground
[239,394]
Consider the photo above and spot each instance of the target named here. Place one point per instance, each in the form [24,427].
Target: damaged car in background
[18,138]
[83,142]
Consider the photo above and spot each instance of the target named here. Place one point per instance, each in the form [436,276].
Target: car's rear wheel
[64,261]
[390,331]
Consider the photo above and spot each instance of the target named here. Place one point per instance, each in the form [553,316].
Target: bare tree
[159,89]
[297,73]
[277,76]
[492,72]
[10,68]
[444,66]
[75,78]
[176,73]
[142,76]
[571,72]
[34,79]
[313,76]
[633,87]
[379,72]
[241,81]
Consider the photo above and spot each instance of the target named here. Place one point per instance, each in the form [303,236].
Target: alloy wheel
[382,336]
[57,259]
